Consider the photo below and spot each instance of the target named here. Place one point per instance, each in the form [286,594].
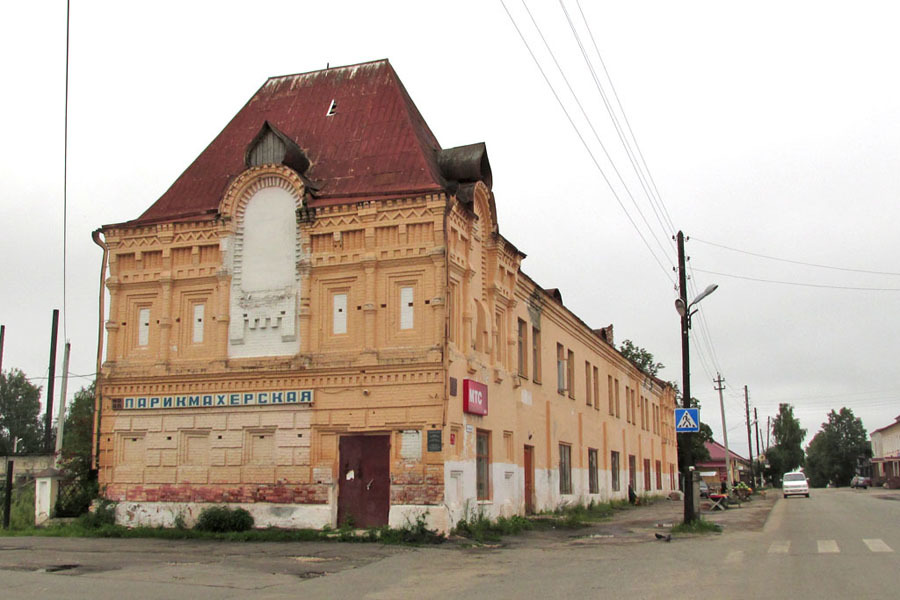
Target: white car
[795,484]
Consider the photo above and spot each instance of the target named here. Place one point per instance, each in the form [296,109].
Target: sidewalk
[642,523]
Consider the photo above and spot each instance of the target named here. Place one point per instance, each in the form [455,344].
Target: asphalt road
[840,543]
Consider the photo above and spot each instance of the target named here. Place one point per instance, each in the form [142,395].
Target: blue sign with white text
[687,420]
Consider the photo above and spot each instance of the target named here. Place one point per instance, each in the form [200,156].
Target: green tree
[787,453]
[75,456]
[641,358]
[20,408]
[78,432]
[833,453]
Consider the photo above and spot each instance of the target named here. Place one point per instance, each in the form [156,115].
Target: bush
[21,515]
[222,519]
[104,513]
[415,533]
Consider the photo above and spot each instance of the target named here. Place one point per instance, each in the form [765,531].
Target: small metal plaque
[434,440]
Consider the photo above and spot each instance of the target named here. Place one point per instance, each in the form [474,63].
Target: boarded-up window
[570,375]
[406,308]
[522,342]
[565,469]
[658,475]
[560,369]
[587,382]
[614,469]
[339,308]
[198,318]
[143,327]
[483,464]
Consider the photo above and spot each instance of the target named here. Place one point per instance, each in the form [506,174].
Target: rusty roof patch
[377,143]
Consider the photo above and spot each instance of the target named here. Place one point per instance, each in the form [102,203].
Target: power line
[625,117]
[795,262]
[583,142]
[614,118]
[799,284]
[591,126]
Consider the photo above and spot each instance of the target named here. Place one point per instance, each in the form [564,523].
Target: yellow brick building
[320,322]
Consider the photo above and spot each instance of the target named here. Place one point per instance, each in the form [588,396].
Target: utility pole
[768,431]
[749,439]
[685,459]
[756,422]
[48,419]
[721,386]
[2,337]
[61,422]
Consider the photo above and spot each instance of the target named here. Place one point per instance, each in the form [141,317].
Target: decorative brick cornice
[254,179]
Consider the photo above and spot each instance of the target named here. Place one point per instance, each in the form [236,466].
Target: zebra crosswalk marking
[780,547]
[828,547]
[877,545]
[734,557]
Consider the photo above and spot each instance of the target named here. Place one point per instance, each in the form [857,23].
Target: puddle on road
[58,568]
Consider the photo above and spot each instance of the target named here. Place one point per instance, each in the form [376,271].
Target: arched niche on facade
[262,256]
[483,205]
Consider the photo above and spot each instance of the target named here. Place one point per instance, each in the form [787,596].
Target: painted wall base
[437,518]
[164,514]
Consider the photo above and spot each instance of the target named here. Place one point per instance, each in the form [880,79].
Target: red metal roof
[717,454]
[376,143]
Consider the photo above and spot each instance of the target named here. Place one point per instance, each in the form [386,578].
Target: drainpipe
[95,445]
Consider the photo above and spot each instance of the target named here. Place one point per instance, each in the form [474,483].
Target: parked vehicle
[704,489]
[860,481]
[795,484]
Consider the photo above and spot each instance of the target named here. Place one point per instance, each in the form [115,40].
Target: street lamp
[684,310]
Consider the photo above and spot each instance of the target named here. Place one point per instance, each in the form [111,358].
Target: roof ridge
[327,68]
[419,125]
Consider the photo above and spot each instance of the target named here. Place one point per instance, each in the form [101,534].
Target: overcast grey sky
[770,127]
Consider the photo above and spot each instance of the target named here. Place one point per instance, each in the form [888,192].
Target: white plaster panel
[437,518]
[265,283]
[163,514]
[269,242]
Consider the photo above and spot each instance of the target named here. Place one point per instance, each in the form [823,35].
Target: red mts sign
[475,397]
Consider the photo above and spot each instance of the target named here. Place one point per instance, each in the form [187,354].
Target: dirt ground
[642,523]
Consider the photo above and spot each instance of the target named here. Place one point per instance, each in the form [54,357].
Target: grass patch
[698,526]
[482,529]
[101,524]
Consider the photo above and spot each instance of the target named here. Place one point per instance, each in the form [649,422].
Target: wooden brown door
[529,479]
[364,487]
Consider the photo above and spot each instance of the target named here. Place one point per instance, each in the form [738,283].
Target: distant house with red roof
[886,453]
[713,470]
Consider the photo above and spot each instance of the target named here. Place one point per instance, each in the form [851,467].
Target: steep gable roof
[717,453]
[375,144]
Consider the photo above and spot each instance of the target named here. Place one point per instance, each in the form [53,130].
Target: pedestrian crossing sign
[687,420]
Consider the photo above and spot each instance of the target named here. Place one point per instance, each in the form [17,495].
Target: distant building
[321,322]
[886,454]
[713,470]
